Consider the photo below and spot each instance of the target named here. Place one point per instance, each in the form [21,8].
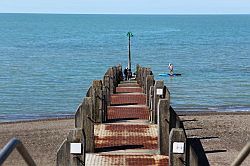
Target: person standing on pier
[125,73]
[129,74]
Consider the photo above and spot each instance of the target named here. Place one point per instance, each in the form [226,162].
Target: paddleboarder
[171,69]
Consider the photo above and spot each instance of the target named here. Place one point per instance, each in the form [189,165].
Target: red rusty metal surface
[127,128]
[132,136]
[146,160]
[128,89]
[129,85]
[128,112]
[135,160]
[114,159]
[117,142]
[139,160]
[118,99]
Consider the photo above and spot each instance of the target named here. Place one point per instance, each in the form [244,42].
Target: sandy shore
[226,134]
[230,132]
[41,138]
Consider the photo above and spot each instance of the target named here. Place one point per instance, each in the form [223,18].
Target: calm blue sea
[47,62]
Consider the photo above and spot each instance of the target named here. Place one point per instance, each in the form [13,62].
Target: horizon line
[125,13]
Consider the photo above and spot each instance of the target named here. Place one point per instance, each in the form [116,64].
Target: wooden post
[137,73]
[106,96]
[115,75]
[83,119]
[173,118]
[158,87]
[195,154]
[147,73]
[108,71]
[151,103]
[120,76]
[89,92]
[140,76]
[166,93]
[177,147]
[64,158]
[163,126]
[149,83]
[192,157]
[111,76]
[97,100]
[143,79]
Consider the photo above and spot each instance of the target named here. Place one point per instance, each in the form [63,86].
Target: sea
[48,61]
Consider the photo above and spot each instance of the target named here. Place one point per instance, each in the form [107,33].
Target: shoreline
[37,120]
[180,113]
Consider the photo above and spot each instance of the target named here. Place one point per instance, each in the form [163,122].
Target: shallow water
[47,62]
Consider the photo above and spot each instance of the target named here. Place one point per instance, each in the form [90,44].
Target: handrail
[10,146]
[243,154]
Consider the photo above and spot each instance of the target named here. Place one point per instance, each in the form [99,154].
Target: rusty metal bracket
[167,121]
[184,162]
[106,87]
[101,98]
[92,120]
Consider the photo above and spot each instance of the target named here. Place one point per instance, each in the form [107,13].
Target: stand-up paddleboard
[171,75]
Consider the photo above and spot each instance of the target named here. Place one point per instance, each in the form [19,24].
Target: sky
[126,6]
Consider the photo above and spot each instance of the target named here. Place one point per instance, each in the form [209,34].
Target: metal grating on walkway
[125,160]
[128,112]
[128,138]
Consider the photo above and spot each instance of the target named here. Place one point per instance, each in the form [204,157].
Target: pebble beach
[226,134]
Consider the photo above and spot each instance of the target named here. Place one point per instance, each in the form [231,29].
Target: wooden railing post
[137,72]
[173,118]
[120,75]
[64,157]
[163,126]
[89,92]
[149,83]
[97,101]
[195,154]
[177,147]
[143,79]
[158,93]
[111,82]
[151,103]
[114,69]
[147,73]
[140,76]
[106,96]
[83,119]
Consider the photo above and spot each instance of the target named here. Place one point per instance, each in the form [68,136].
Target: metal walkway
[128,138]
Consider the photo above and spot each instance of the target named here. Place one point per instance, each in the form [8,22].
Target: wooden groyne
[129,123]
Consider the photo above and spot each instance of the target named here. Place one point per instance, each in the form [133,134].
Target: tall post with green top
[129,34]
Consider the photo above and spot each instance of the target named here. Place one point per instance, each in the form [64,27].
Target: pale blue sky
[126,6]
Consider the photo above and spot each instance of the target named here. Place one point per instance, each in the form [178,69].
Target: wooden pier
[129,123]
